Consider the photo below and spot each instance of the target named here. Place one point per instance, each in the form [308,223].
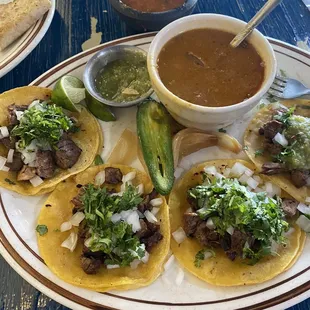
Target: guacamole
[125,79]
[298,135]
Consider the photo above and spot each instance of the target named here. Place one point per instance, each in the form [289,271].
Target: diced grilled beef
[273,148]
[45,164]
[238,240]
[145,204]
[144,231]
[67,153]
[9,142]
[289,207]
[90,265]
[17,163]
[83,232]
[272,128]
[299,177]
[206,236]
[151,241]
[225,242]
[261,131]
[271,168]
[12,116]
[26,173]
[88,253]
[191,221]
[113,175]
[77,202]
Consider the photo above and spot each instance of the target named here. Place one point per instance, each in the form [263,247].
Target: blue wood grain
[289,22]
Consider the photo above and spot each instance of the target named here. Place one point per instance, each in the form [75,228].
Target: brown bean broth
[153,5]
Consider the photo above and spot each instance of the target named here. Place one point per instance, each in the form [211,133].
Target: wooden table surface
[81,24]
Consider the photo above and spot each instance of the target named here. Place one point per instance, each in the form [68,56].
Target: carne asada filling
[39,136]
[243,223]
[292,154]
[108,236]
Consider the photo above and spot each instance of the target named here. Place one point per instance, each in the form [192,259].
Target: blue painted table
[70,28]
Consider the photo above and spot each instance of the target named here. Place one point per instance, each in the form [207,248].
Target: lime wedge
[68,92]
[99,109]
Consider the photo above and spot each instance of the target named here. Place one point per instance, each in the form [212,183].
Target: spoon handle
[255,21]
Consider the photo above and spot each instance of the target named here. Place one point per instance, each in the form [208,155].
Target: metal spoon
[255,21]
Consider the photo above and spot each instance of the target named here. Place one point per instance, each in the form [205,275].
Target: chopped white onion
[274,247]
[258,190]
[2,162]
[210,224]
[100,178]
[244,178]
[5,168]
[36,181]
[303,208]
[230,230]
[29,153]
[140,189]
[65,226]
[281,139]
[226,172]
[125,214]
[249,172]
[219,176]
[169,263]
[150,217]
[257,178]
[180,277]
[252,183]
[88,242]
[129,177]
[134,221]
[272,189]
[210,170]
[112,266]
[238,169]
[155,211]
[77,218]
[19,115]
[146,257]
[304,223]
[179,235]
[71,242]
[32,164]
[33,104]
[10,156]
[307,199]
[134,264]
[116,217]
[156,202]
[117,194]
[208,254]
[4,132]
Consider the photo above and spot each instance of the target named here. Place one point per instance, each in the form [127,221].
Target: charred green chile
[153,127]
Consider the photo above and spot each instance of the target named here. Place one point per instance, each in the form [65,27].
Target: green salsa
[124,80]
[298,135]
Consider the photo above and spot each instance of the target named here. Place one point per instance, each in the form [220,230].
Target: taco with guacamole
[42,144]
[105,229]
[231,226]
[277,140]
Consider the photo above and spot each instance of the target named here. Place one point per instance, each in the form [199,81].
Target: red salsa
[153,5]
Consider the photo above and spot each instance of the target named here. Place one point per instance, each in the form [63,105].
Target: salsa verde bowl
[203,117]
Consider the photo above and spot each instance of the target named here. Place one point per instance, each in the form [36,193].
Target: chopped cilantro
[199,257]
[98,160]
[116,240]
[222,130]
[228,203]
[9,181]
[42,229]
[284,117]
[45,124]
[259,153]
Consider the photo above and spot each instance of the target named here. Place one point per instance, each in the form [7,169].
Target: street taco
[277,140]
[229,226]
[40,143]
[105,228]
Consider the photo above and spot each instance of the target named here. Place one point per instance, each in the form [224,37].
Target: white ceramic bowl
[191,115]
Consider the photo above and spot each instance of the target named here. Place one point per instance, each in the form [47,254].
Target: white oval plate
[21,47]
[18,221]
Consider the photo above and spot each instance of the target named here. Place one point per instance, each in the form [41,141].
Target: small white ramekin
[191,115]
